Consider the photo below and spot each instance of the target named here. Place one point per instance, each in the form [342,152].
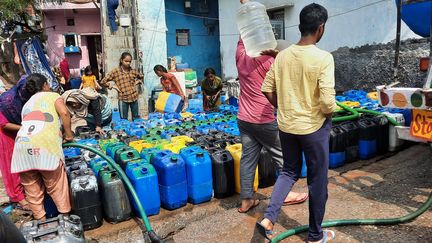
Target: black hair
[311,17]
[35,83]
[160,68]
[209,71]
[123,56]
[88,69]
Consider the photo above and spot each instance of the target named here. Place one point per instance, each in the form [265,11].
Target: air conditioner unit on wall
[188,6]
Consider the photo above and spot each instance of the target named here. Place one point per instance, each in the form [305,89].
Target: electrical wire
[287,27]
[191,15]
[346,12]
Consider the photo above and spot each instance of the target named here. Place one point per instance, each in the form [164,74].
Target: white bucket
[125,20]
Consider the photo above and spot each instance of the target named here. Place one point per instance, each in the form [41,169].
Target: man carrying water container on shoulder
[257,124]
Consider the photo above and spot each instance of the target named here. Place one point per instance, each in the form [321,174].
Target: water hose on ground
[150,233]
[354,115]
[346,222]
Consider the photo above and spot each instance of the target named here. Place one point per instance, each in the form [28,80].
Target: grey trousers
[253,138]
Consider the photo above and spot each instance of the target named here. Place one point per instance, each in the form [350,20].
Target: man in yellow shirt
[301,85]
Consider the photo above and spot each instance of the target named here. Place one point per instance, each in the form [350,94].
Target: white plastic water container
[394,142]
[255,28]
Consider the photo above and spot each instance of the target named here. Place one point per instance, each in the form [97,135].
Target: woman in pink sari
[11,103]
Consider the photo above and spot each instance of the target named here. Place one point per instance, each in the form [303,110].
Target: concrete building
[76,27]
[351,23]
[193,34]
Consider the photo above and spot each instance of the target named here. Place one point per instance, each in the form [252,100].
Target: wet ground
[385,187]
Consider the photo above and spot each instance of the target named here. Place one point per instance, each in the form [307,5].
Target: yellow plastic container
[236,152]
[186,115]
[373,95]
[181,139]
[168,102]
[174,147]
[351,103]
[140,145]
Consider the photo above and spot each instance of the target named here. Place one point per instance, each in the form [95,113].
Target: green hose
[345,222]
[354,114]
[390,119]
[152,235]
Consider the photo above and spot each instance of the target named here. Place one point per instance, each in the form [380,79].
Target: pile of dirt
[368,66]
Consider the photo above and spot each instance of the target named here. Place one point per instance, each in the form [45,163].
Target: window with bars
[183,37]
[70,22]
[277,20]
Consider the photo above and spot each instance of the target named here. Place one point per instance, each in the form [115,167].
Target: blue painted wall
[204,50]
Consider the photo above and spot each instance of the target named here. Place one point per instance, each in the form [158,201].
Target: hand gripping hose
[150,233]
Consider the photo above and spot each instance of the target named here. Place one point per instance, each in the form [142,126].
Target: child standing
[88,80]
[126,80]
[38,154]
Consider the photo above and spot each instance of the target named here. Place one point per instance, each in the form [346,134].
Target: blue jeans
[112,6]
[124,109]
[316,150]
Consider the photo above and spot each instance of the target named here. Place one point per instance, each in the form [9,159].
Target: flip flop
[23,207]
[326,236]
[301,200]
[256,202]
[268,234]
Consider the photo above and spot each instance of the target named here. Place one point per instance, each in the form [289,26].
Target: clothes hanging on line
[34,60]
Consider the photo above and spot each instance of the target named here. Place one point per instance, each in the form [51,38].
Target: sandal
[22,206]
[268,234]
[297,201]
[326,236]
[255,203]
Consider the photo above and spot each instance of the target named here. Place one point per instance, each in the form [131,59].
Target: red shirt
[64,68]
[168,84]
[253,106]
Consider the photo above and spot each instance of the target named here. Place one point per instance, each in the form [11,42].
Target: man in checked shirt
[126,80]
